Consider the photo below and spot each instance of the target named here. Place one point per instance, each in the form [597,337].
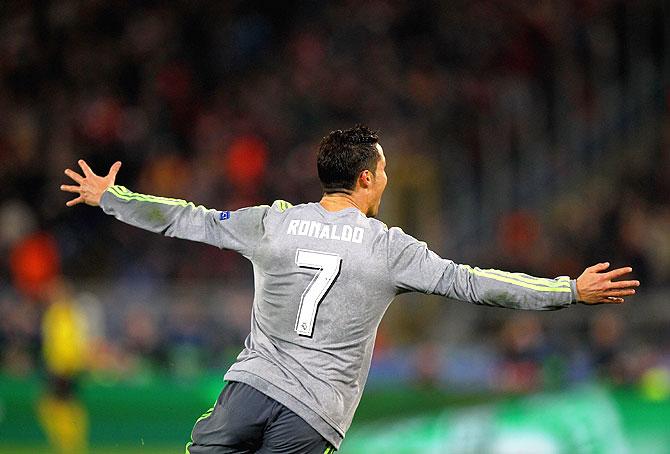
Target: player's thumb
[114,170]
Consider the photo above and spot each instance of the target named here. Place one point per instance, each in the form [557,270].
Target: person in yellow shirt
[64,349]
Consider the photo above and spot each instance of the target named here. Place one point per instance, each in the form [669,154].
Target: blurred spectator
[65,350]
[35,264]
[142,341]
[606,346]
[19,336]
[524,350]
[186,338]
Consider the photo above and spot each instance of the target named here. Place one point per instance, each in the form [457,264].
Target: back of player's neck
[336,201]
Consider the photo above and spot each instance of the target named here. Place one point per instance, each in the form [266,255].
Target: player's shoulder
[375,225]
[281,206]
[383,229]
[278,206]
[398,238]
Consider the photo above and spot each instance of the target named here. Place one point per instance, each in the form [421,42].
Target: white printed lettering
[333,233]
[314,228]
[303,228]
[347,231]
[325,232]
[358,235]
[293,227]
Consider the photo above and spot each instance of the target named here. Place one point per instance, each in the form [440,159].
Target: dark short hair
[343,155]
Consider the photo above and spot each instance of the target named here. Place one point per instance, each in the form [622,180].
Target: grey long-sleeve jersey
[323,281]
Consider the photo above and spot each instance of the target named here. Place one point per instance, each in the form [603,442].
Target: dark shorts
[244,420]
[62,387]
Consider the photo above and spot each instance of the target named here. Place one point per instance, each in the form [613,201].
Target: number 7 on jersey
[328,266]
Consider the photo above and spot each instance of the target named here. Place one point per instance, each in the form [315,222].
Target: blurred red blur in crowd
[35,262]
[245,162]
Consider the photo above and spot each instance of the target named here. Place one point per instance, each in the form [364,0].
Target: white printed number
[328,266]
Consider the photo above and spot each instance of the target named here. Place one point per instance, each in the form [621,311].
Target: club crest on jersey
[224,215]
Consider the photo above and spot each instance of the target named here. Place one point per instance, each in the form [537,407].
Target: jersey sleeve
[504,289]
[414,267]
[239,230]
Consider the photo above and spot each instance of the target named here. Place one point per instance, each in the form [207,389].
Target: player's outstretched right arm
[239,230]
[90,187]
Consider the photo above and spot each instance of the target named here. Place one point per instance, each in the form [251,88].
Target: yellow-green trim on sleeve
[124,193]
[523,280]
[282,205]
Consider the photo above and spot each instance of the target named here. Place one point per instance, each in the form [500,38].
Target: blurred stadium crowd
[530,136]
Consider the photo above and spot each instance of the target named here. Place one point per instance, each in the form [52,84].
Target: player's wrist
[576,298]
[101,199]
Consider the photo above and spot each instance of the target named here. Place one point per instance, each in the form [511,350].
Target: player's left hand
[91,186]
[597,286]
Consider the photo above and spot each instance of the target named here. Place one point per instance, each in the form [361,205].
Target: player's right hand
[596,286]
[91,186]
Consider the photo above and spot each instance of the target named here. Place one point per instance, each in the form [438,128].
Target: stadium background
[529,136]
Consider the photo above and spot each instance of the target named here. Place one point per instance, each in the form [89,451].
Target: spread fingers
[68,188]
[74,175]
[87,170]
[626,292]
[617,272]
[73,202]
[612,299]
[624,284]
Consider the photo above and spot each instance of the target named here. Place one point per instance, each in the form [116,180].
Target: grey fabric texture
[317,364]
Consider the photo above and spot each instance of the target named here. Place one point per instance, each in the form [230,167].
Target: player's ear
[365,178]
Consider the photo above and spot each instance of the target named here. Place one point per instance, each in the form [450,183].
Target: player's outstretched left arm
[414,267]
[492,287]
[239,230]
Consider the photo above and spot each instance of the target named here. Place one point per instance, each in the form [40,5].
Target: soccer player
[64,345]
[325,273]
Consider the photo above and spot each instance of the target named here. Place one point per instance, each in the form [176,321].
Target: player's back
[322,287]
[323,281]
